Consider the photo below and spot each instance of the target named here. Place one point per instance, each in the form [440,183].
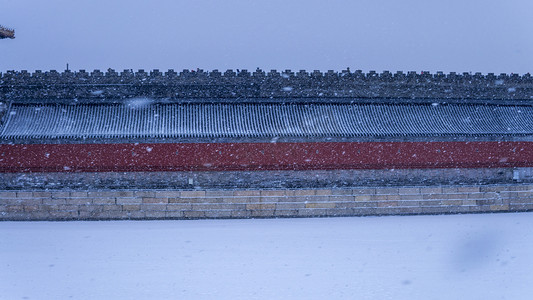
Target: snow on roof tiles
[172,120]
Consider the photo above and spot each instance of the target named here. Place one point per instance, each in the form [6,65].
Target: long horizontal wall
[193,204]
[81,85]
[262,156]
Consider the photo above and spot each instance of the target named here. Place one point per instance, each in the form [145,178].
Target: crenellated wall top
[262,84]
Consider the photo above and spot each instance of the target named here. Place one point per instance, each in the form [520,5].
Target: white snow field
[484,256]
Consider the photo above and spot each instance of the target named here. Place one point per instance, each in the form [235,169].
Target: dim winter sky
[452,35]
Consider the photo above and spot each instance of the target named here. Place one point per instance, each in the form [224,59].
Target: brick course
[257,203]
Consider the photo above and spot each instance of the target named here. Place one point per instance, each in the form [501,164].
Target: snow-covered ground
[486,256]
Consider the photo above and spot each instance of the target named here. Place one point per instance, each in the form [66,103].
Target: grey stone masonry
[263,86]
[262,203]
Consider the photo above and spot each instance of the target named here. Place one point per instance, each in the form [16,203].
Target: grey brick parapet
[273,85]
[261,203]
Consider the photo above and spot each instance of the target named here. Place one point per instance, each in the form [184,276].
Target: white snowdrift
[414,257]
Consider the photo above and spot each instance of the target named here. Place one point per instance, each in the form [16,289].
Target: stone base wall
[262,180]
[261,203]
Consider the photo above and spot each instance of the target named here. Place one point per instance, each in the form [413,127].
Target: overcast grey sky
[452,35]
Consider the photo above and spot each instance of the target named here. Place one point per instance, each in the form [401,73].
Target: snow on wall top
[143,119]
[53,86]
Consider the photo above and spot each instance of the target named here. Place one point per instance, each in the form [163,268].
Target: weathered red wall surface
[262,156]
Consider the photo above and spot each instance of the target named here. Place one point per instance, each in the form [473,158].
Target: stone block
[273,199]
[360,204]
[341,198]
[323,192]
[80,201]
[152,214]
[387,203]
[112,207]
[103,200]
[193,214]
[91,208]
[261,206]
[411,197]
[31,208]
[457,196]
[451,202]
[37,215]
[301,193]
[63,215]
[15,216]
[468,189]
[219,193]
[261,213]
[429,203]
[476,195]
[8,195]
[131,207]
[217,206]
[492,188]
[364,211]
[292,199]
[179,206]
[133,200]
[14,208]
[60,194]
[431,190]
[378,197]
[240,199]
[342,192]
[363,198]
[387,191]
[241,214]
[273,193]
[167,194]
[408,191]
[153,207]
[141,194]
[435,197]
[54,201]
[339,212]
[246,193]
[364,191]
[408,203]
[68,207]
[174,214]
[134,215]
[78,194]
[320,205]
[521,206]
[192,194]
[107,194]
[499,207]
[17,201]
[316,212]
[216,214]
[469,202]
[388,210]
[124,194]
[25,195]
[289,205]
[286,212]
[154,200]
[520,200]
[42,194]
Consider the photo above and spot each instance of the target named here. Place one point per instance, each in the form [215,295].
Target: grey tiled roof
[23,121]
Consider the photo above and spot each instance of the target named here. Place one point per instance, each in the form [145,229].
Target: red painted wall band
[262,156]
